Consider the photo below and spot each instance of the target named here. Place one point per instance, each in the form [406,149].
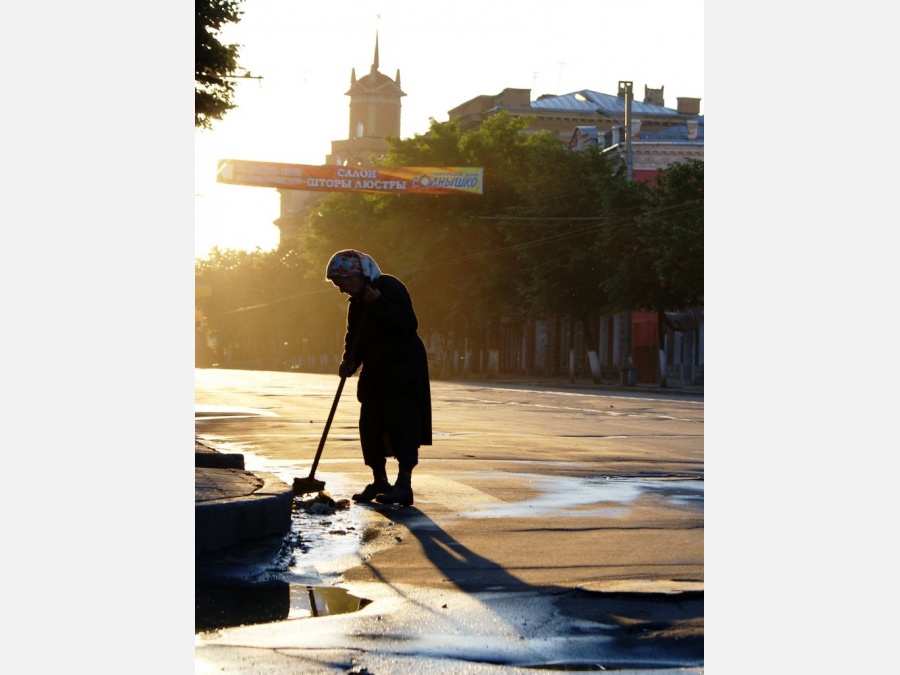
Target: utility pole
[626,89]
[627,369]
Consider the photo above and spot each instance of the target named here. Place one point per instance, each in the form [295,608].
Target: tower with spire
[374,114]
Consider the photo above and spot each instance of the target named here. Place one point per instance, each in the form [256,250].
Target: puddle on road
[277,578]
[592,495]
[240,604]
[269,587]
[218,412]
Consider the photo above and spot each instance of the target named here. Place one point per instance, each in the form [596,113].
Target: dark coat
[392,355]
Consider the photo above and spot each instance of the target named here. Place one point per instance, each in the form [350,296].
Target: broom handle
[337,396]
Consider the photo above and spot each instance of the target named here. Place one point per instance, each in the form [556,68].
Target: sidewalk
[233,505]
[563,382]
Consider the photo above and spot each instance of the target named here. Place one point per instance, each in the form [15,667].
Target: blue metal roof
[587,101]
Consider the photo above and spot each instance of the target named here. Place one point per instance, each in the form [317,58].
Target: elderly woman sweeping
[394,388]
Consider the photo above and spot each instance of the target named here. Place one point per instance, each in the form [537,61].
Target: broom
[309,484]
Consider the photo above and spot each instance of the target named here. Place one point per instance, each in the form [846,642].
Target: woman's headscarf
[352,263]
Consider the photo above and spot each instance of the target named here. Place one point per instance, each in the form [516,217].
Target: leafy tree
[260,310]
[214,62]
[563,206]
[656,251]
[469,277]
[236,292]
[557,233]
[564,202]
[527,246]
[674,221]
[441,143]
[434,242]
[658,257]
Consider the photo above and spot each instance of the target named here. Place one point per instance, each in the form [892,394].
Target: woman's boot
[402,493]
[379,486]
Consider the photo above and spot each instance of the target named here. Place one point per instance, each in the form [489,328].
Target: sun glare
[299,106]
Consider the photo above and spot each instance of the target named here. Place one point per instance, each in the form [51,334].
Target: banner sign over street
[427,180]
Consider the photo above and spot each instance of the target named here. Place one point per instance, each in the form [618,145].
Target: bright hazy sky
[446,53]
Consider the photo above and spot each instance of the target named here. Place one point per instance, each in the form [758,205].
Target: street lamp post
[627,370]
[626,89]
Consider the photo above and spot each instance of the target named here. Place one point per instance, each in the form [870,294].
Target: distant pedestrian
[394,390]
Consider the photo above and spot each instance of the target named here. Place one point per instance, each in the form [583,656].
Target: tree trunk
[590,347]
[572,348]
[661,332]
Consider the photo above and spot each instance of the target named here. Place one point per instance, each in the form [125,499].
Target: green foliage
[657,253]
[440,146]
[263,308]
[563,206]
[674,219]
[556,233]
[213,61]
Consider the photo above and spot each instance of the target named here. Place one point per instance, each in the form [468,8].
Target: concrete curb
[235,506]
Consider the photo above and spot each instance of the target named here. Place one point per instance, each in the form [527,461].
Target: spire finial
[375,62]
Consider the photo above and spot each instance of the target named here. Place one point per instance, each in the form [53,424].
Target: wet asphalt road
[553,527]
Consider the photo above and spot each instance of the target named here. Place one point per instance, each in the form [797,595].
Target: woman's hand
[346,369]
[370,294]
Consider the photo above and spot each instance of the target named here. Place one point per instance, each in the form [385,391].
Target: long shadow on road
[636,630]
